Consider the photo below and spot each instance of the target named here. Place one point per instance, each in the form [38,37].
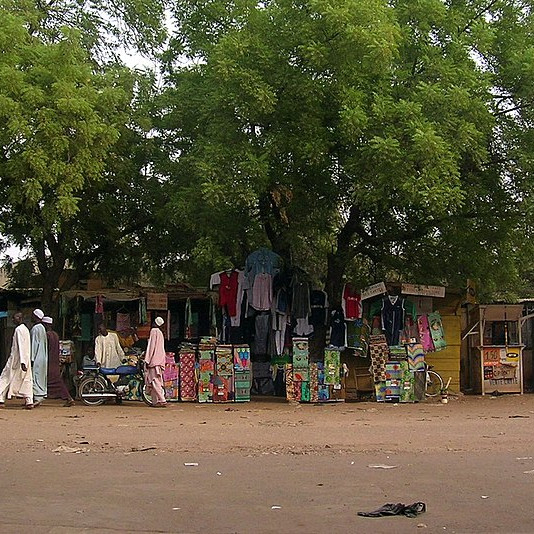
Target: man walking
[16,378]
[56,388]
[39,357]
[155,365]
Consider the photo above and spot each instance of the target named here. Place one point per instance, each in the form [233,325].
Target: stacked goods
[171,378]
[206,371]
[223,380]
[242,373]
[333,375]
[187,375]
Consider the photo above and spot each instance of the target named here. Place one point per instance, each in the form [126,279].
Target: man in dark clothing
[56,386]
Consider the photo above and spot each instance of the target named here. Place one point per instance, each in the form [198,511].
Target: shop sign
[423,291]
[156,301]
[374,290]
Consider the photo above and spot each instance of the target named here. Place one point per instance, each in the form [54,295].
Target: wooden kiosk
[496,348]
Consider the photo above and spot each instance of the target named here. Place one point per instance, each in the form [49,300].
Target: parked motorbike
[95,386]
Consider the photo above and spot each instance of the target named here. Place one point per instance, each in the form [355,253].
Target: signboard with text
[374,290]
[156,301]
[423,291]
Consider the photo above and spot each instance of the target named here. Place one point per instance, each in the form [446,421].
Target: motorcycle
[95,386]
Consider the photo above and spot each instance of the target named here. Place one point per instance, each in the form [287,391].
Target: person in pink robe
[155,365]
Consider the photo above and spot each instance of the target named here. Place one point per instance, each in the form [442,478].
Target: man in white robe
[16,378]
[39,357]
[108,350]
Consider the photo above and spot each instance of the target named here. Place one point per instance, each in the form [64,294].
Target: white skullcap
[47,320]
[38,313]
[159,321]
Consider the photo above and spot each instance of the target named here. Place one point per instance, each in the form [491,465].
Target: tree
[386,137]
[72,138]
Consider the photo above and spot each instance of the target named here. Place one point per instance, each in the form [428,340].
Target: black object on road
[411,510]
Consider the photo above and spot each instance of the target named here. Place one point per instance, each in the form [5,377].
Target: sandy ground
[121,468]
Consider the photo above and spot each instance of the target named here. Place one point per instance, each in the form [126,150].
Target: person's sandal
[69,403]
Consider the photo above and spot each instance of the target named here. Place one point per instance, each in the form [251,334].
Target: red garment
[353,302]
[228,292]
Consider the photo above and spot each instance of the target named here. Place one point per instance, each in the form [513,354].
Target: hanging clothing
[337,328]
[108,351]
[261,335]
[301,305]
[99,304]
[319,308]
[392,315]
[436,331]
[262,292]
[424,333]
[14,382]
[262,260]
[351,302]
[123,322]
[228,288]
[56,388]
[39,343]
[303,327]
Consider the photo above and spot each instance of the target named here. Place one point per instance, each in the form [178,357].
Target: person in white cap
[55,386]
[39,357]
[16,378]
[155,365]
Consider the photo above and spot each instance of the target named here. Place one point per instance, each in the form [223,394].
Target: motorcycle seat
[108,370]
[126,370]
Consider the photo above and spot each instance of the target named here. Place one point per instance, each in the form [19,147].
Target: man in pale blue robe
[39,343]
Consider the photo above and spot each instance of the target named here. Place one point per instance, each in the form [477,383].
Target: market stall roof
[176,291]
[109,294]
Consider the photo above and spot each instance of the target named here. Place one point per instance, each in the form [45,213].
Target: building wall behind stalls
[447,361]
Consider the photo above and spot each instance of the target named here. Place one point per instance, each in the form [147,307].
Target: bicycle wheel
[92,385]
[434,384]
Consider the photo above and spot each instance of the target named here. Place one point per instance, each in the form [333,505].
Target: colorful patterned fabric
[301,374]
[305,392]
[241,357]
[436,331]
[380,391]
[424,333]
[415,357]
[314,383]
[290,388]
[407,384]
[332,366]
[324,393]
[300,352]
[397,353]
[224,361]
[222,389]
[187,376]
[379,351]
[171,377]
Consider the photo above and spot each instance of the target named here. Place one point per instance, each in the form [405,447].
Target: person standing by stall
[16,378]
[56,388]
[108,350]
[39,357]
[155,365]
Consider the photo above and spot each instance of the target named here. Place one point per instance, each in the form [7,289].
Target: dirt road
[121,468]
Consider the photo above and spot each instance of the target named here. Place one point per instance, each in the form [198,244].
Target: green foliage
[372,135]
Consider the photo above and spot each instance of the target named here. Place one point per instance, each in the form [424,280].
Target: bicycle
[433,382]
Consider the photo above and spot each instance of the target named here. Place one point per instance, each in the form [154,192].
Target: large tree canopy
[382,137]
[75,182]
